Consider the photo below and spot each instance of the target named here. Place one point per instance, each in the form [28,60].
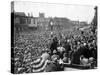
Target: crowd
[49,51]
[78,49]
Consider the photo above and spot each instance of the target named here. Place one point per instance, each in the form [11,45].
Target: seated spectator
[65,58]
[84,61]
[54,64]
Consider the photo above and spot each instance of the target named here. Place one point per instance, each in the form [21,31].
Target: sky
[72,12]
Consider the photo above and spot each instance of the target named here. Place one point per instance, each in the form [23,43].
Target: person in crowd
[54,64]
[67,47]
[76,56]
[54,45]
[65,58]
[61,51]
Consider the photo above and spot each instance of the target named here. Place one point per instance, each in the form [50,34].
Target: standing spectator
[67,47]
[54,45]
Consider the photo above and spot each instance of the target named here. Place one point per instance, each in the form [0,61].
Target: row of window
[25,21]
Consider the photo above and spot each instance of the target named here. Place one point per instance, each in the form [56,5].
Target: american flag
[39,65]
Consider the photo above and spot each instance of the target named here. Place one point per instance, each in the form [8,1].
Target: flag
[39,65]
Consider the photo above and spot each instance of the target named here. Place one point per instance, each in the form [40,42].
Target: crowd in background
[80,49]
[57,48]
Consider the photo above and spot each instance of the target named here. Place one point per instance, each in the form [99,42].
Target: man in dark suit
[67,47]
[54,45]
